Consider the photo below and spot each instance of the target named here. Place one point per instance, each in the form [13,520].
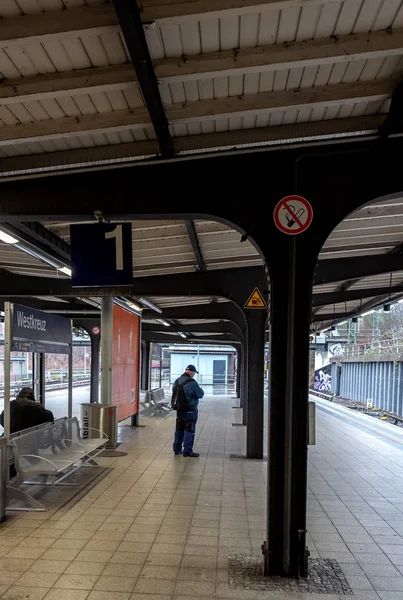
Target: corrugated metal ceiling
[238,75]
[245,60]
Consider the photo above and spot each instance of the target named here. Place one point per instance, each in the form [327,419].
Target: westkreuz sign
[37,331]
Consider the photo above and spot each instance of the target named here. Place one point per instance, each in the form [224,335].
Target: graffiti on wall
[323,379]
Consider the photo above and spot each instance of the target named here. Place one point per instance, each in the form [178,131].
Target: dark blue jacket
[192,391]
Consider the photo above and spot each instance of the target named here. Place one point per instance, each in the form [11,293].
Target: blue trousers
[185,431]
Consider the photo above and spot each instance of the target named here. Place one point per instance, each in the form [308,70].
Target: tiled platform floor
[160,527]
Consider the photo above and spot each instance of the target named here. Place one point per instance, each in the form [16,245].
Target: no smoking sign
[293,215]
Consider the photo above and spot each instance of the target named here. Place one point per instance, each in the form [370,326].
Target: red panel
[125,362]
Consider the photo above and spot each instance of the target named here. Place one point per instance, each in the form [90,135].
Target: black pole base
[273,568]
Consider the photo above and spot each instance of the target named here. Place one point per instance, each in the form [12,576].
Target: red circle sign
[293,215]
[96,330]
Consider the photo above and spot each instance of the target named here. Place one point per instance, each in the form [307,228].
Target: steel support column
[39,377]
[244,381]
[288,412]
[106,349]
[145,365]
[256,320]
[238,372]
[94,383]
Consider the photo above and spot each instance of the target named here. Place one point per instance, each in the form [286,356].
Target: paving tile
[44,580]
[59,554]
[141,596]
[359,582]
[107,596]
[61,594]
[132,558]
[78,567]
[123,570]
[115,584]
[159,572]
[156,586]
[164,560]
[16,592]
[49,566]
[76,581]
[387,583]
[198,574]
[93,555]
[199,588]
[23,552]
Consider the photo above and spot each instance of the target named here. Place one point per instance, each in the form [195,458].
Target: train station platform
[160,527]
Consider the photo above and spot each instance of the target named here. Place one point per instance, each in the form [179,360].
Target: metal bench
[155,403]
[49,456]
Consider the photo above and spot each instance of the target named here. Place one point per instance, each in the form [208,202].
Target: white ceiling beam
[49,129]
[346,93]
[263,58]
[229,139]
[27,29]
[198,111]
[67,83]
[274,57]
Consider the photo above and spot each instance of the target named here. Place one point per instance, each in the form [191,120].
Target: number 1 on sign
[117,234]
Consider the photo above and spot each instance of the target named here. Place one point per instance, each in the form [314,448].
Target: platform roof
[249,73]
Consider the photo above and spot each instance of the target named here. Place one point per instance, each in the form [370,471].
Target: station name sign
[30,322]
[36,331]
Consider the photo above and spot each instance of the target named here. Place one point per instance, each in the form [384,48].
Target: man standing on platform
[186,394]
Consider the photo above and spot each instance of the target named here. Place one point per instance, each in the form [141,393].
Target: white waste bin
[100,417]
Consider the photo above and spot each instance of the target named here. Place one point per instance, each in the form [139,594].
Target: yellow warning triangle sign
[256,300]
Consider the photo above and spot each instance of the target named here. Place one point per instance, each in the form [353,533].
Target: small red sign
[293,215]
[96,330]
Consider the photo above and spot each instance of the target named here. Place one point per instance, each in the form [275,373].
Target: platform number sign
[101,255]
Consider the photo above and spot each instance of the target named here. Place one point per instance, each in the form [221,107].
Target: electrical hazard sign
[293,215]
[256,300]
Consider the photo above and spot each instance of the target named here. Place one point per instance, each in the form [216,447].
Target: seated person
[25,412]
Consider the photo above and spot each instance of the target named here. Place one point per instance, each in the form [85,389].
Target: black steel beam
[220,282]
[340,269]
[37,234]
[227,311]
[157,338]
[194,240]
[212,283]
[132,27]
[332,317]
[46,305]
[326,298]
[393,122]
[221,327]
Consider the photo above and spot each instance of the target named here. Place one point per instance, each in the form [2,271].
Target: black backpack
[179,400]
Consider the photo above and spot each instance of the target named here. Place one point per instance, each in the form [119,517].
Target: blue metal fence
[380,383]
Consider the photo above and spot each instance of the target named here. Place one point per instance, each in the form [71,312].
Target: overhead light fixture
[7,239]
[386,308]
[163,322]
[65,270]
[400,301]
[368,313]
[134,305]
[333,328]
[181,334]
[150,305]
[355,319]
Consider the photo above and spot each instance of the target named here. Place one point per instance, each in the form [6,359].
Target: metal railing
[389,346]
[50,385]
